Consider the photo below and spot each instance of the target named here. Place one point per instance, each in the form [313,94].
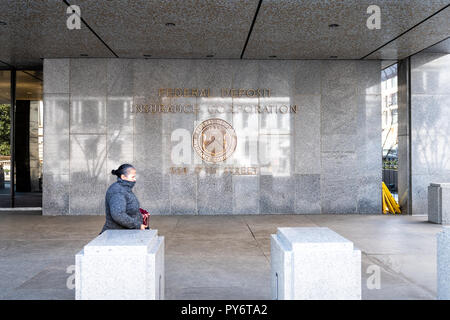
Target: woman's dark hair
[122,170]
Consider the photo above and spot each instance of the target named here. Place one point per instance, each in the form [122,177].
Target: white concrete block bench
[439,203]
[121,264]
[443,264]
[314,263]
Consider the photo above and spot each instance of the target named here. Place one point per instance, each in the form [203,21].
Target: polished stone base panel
[121,265]
[430,129]
[324,158]
[439,203]
[434,201]
[314,264]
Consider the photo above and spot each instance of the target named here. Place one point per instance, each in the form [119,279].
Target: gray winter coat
[122,207]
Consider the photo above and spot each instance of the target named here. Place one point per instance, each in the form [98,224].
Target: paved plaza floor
[217,257]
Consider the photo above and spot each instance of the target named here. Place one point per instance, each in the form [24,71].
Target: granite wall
[430,125]
[326,158]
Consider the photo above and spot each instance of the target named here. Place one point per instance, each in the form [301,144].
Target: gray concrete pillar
[443,264]
[404,136]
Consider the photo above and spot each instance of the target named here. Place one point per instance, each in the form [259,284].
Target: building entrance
[21,139]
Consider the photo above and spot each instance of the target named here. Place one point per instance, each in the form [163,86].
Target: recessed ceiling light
[83,54]
[272,56]
[333,25]
[170,24]
[3,23]
[333,57]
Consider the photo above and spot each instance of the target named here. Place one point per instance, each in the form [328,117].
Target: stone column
[314,263]
[404,135]
[430,130]
[443,264]
[121,265]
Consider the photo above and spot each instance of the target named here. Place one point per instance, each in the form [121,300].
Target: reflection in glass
[5,166]
[389,126]
[264,138]
[28,139]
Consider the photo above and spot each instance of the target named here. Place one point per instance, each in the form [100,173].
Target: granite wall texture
[326,158]
[430,125]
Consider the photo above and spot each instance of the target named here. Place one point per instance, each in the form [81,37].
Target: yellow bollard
[389,204]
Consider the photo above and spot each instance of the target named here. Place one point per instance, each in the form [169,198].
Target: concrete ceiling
[234,29]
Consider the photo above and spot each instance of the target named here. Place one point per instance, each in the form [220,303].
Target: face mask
[130,183]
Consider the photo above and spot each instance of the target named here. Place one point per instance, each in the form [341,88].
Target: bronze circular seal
[214,140]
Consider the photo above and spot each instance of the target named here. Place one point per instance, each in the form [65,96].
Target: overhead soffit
[37,29]
[287,29]
[135,28]
[441,47]
[300,29]
[421,37]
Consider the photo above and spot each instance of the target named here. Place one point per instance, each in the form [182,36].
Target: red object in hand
[145,216]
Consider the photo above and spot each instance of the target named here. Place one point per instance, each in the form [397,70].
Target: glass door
[389,125]
[28,139]
[21,165]
[5,136]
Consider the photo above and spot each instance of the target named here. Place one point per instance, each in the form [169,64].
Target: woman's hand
[143,226]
